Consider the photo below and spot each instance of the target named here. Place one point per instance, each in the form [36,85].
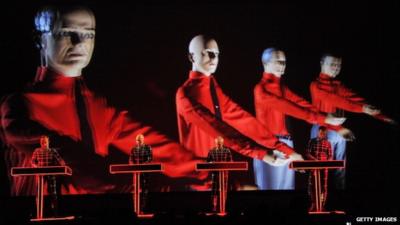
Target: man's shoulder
[138,147]
[189,83]
[212,150]
[186,89]
[259,86]
[326,142]
[321,141]
[180,91]
[313,84]
[267,88]
[37,150]
[318,83]
[227,149]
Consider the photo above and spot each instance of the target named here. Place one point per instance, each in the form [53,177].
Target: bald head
[140,139]
[203,53]
[219,142]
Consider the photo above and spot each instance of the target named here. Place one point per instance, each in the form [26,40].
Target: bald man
[141,153]
[204,112]
[219,153]
[273,102]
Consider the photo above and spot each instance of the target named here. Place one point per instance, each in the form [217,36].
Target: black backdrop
[140,60]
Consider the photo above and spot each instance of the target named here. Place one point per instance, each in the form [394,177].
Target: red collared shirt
[329,94]
[320,148]
[48,107]
[219,155]
[141,154]
[46,157]
[198,125]
[273,102]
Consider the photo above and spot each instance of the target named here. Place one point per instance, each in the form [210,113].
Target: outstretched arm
[178,161]
[248,125]
[202,117]
[343,98]
[18,130]
[297,107]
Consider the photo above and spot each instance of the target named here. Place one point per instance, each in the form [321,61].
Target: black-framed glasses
[280,62]
[211,53]
[75,35]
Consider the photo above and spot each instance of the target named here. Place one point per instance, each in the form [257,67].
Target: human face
[331,66]
[44,142]
[322,133]
[69,47]
[219,142]
[140,140]
[277,64]
[205,59]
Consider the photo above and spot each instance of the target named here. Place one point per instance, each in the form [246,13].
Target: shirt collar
[199,75]
[270,78]
[324,76]
[55,80]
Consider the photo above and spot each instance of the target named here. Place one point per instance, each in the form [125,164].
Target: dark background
[140,60]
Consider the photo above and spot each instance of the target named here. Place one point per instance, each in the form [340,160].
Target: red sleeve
[292,105]
[18,130]
[353,97]
[34,159]
[306,105]
[248,125]
[349,94]
[330,151]
[199,115]
[177,160]
[344,99]
[239,127]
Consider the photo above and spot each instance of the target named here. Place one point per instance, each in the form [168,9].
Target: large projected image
[171,87]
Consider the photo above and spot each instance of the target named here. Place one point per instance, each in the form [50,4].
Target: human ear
[190,57]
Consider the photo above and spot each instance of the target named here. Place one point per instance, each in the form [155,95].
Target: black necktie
[86,132]
[217,109]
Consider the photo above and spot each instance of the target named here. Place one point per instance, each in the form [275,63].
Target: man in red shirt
[319,148]
[332,97]
[273,102]
[60,105]
[46,156]
[205,112]
[219,153]
[140,154]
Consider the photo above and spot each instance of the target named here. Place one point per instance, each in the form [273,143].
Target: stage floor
[243,207]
